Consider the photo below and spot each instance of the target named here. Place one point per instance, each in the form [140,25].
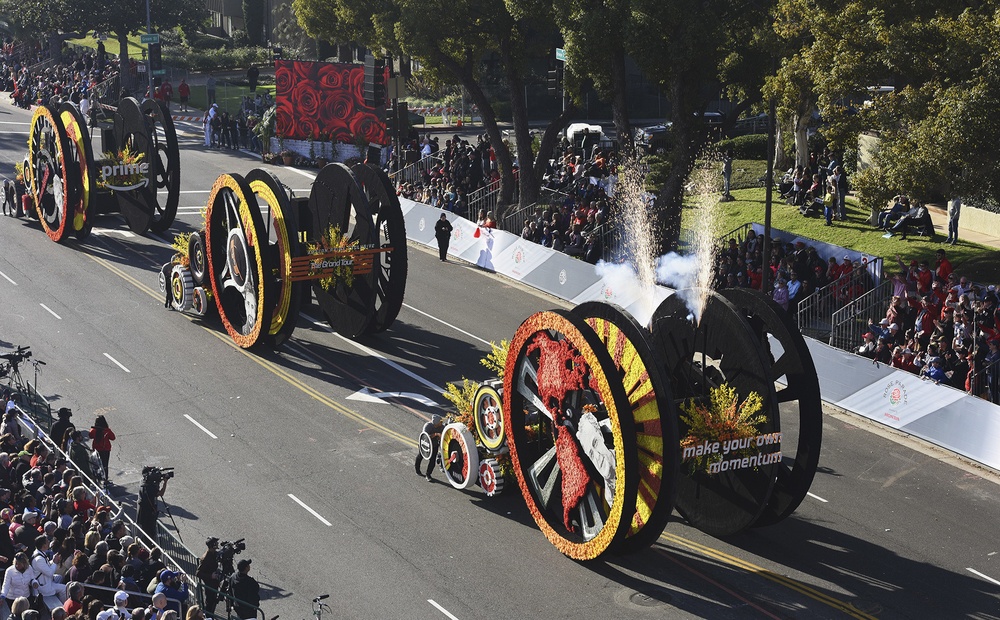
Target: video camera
[228,549]
[154,475]
[19,355]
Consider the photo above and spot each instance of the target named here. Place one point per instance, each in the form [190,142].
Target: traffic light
[155,58]
[374,81]
[554,81]
[391,122]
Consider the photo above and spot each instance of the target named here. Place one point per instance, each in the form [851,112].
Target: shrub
[753,146]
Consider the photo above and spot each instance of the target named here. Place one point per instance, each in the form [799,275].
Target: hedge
[753,146]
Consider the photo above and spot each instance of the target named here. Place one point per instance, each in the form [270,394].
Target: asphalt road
[271,447]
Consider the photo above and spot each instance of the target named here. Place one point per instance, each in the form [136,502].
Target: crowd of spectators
[461,169]
[795,269]
[941,326]
[65,551]
[72,79]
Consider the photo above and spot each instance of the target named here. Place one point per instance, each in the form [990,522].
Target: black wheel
[197,257]
[165,165]
[239,263]
[799,402]
[654,416]
[391,266]
[342,220]
[570,433]
[137,205]
[281,222]
[723,487]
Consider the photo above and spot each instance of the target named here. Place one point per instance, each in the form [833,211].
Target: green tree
[253,20]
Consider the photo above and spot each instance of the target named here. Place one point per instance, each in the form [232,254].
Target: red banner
[324,100]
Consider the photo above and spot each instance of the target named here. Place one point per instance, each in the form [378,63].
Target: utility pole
[149,57]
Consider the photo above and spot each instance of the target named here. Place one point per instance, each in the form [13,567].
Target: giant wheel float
[68,186]
[252,259]
[606,425]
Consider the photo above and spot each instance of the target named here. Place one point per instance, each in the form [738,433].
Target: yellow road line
[788,582]
[269,365]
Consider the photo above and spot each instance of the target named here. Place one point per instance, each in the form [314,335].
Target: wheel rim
[164,161]
[459,458]
[53,186]
[282,233]
[488,416]
[237,264]
[197,258]
[800,403]
[567,476]
[722,348]
[654,416]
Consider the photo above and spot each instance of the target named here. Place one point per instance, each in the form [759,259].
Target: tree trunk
[781,159]
[689,135]
[527,183]
[55,46]
[800,122]
[619,102]
[123,67]
[549,139]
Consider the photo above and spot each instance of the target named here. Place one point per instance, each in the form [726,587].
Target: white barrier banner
[520,258]
[900,399]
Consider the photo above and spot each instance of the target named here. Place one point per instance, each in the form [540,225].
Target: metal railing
[849,323]
[739,233]
[514,221]
[414,173]
[227,600]
[485,198]
[815,312]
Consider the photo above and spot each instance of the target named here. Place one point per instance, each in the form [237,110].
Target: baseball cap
[893,326]
[121,597]
[884,322]
[166,573]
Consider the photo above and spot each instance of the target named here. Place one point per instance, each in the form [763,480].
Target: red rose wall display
[322,99]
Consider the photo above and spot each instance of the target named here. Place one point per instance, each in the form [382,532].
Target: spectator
[245,590]
[17,580]
[954,212]
[174,587]
[102,436]
[900,205]
[184,92]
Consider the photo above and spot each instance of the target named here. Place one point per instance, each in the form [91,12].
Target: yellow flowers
[722,420]
[333,241]
[496,359]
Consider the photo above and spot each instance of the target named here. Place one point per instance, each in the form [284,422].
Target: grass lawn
[111,47]
[228,96]
[980,263]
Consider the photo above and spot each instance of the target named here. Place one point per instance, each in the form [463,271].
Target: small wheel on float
[239,265]
[390,227]
[800,405]
[164,277]
[491,477]
[459,457]
[571,437]
[165,165]
[197,258]
[338,205]
[654,415]
[199,301]
[488,415]
[81,153]
[52,177]
[281,222]
[718,494]
[181,288]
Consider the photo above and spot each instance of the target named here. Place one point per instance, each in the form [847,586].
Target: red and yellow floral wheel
[571,437]
[239,265]
[653,413]
[53,180]
[459,457]
[488,416]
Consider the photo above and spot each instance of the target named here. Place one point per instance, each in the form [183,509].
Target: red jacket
[102,438]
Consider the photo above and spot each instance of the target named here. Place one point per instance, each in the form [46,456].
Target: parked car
[656,138]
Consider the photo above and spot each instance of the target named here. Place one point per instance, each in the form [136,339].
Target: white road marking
[376,397]
[50,311]
[113,231]
[159,238]
[302,172]
[442,609]
[117,362]
[377,355]
[14,123]
[5,277]
[198,424]
[817,497]
[443,322]
[986,577]
[311,511]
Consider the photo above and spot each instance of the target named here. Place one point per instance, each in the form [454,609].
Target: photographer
[208,573]
[245,591]
[174,586]
[154,485]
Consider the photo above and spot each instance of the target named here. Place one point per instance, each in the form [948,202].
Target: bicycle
[318,606]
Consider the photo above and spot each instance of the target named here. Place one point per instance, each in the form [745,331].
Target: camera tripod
[166,509]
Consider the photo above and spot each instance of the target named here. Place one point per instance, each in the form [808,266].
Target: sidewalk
[939,215]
